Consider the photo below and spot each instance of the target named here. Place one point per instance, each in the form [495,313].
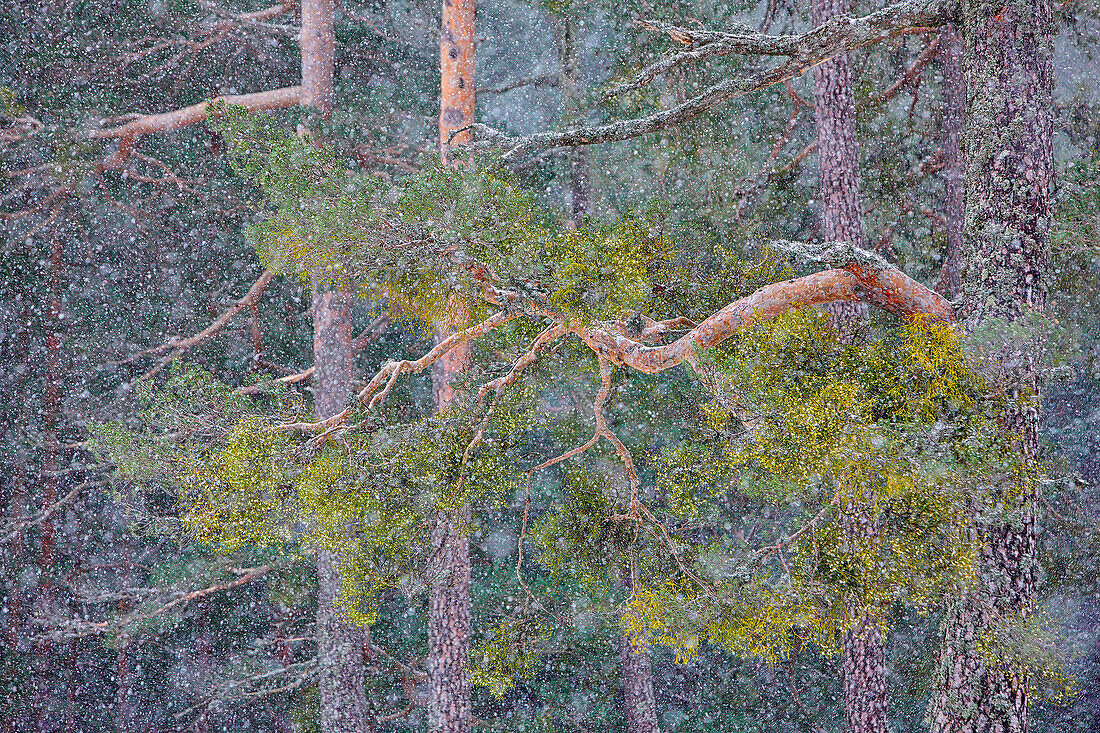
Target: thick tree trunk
[457,47]
[340,643]
[640,705]
[865,704]
[954,121]
[1009,179]
[449,592]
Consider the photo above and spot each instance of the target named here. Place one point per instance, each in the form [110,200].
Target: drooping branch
[164,121]
[805,51]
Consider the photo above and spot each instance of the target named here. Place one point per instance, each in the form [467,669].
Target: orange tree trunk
[449,591]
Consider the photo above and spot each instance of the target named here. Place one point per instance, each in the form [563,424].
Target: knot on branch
[832,254]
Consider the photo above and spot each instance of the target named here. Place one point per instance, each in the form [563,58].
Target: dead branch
[177,346]
[49,511]
[288,379]
[839,35]
[304,671]
[545,80]
[246,575]
[389,373]
[371,333]
[915,69]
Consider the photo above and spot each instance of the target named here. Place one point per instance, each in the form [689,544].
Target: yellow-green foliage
[239,494]
[604,270]
[409,243]
[869,450]
[510,650]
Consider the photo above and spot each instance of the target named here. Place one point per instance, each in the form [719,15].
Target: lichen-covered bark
[805,51]
[340,643]
[1009,178]
[954,121]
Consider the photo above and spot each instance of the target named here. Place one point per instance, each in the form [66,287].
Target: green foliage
[421,242]
[509,651]
[869,451]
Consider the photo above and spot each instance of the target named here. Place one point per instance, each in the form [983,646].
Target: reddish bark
[340,643]
[175,119]
[449,593]
[457,46]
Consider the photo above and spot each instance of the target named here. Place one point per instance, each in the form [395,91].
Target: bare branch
[245,575]
[48,512]
[177,345]
[288,379]
[839,35]
[546,80]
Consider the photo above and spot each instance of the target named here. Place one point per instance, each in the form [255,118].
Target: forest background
[117,618]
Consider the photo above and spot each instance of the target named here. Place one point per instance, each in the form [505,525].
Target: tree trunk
[457,47]
[449,591]
[838,155]
[639,703]
[865,704]
[954,120]
[1009,179]
[339,643]
[578,193]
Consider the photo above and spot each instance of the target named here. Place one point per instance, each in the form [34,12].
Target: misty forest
[549,365]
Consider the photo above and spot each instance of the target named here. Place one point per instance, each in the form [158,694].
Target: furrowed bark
[838,156]
[1009,179]
[806,51]
[449,611]
[954,121]
[865,704]
[340,643]
[639,703]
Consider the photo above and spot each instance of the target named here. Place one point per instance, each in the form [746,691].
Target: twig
[49,511]
[288,379]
